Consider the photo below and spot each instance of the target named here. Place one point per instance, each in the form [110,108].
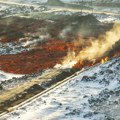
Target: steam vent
[59,59]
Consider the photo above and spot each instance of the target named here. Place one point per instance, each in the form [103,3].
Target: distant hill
[63,4]
[109,3]
[55,3]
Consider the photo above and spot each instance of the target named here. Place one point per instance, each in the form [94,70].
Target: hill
[109,3]
[55,3]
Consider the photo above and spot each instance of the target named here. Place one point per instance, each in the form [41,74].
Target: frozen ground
[7,76]
[91,95]
[104,14]
[12,48]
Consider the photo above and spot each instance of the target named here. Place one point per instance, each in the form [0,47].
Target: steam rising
[97,47]
[35,42]
[65,31]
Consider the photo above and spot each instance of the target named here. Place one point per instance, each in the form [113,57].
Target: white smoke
[97,47]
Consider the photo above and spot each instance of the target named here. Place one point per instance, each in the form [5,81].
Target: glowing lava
[96,49]
[104,60]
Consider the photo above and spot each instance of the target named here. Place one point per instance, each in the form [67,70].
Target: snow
[109,19]
[3,7]
[108,1]
[12,48]
[7,76]
[68,1]
[73,100]
[105,14]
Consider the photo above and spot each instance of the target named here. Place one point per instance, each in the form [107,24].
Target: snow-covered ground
[91,95]
[107,18]
[41,1]
[105,1]
[7,76]
[12,48]
[13,10]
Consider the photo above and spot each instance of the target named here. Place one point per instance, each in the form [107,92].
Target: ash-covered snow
[30,8]
[92,95]
[7,10]
[8,80]
[12,48]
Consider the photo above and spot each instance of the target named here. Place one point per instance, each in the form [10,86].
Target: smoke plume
[65,31]
[96,47]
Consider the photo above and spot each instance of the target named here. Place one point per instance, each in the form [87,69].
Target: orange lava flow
[43,57]
[103,60]
[35,60]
